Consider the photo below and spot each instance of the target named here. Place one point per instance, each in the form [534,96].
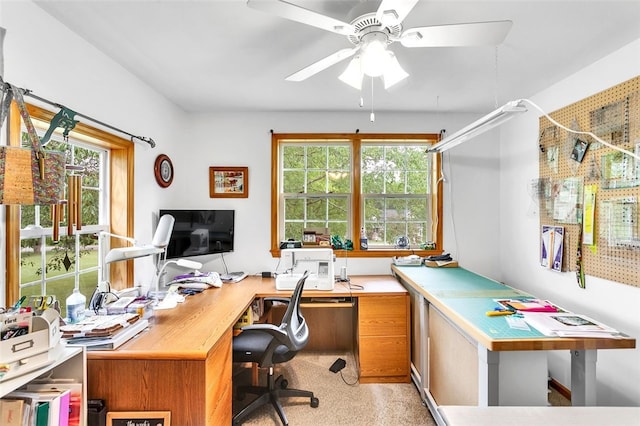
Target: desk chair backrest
[293,323]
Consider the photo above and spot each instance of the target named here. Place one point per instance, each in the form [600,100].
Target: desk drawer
[383,316]
[383,339]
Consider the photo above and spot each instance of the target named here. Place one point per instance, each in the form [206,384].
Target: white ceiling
[220,55]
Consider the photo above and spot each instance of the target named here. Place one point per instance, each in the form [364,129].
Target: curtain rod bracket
[28,92]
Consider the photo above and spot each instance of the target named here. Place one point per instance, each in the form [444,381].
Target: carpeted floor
[340,403]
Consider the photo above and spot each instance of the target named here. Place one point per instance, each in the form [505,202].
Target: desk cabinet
[383,338]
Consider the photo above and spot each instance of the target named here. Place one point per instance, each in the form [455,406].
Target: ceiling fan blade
[393,12]
[322,64]
[300,14]
[456,35]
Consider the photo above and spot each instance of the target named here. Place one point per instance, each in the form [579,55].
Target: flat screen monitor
[200,232]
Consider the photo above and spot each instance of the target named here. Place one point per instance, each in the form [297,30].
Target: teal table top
[470,296]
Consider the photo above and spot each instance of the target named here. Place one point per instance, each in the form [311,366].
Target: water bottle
[364,245]
[76,306]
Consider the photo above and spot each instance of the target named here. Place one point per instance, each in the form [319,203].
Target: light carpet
[340,403]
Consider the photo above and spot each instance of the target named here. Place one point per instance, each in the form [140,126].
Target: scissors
[40,303]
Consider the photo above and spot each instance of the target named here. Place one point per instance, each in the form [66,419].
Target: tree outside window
[384,184]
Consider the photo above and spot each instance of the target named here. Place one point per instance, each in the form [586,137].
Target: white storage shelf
[69,362]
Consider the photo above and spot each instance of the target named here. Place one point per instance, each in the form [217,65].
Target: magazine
[567,324]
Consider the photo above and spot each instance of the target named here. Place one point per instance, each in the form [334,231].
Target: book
[42,413]
[95,343]
[57,401]
[11,412]
[73,413]
[30,402]
[98,326]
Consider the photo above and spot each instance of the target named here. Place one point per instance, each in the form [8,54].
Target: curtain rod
[29,93]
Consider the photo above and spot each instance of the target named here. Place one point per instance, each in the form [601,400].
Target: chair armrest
[271,329]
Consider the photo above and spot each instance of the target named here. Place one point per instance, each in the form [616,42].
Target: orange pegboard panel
[614,116]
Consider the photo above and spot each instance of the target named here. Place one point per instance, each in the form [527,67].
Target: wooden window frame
[356,218]
[121,187]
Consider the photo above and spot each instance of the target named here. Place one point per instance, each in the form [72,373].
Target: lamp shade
[374,58]
[158,244]
[126,253]
[393,73]
[353,74]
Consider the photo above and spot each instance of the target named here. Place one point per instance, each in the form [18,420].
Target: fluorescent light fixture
[489,121]
[157,246]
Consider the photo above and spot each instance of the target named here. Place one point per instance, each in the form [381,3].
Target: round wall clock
[163,170]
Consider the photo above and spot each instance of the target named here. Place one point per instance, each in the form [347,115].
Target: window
[37,265]
[57,267]
[383,185]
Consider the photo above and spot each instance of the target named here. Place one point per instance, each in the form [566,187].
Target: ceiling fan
[372,32]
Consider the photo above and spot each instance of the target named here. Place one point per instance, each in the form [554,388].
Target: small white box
[25,353]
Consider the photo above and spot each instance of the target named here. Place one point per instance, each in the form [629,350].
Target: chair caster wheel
[314,402]
[284,383]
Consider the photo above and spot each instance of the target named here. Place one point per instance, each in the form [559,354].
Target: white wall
[42,55]
[615,304]
[245,140]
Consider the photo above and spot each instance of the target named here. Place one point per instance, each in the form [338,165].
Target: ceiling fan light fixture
[394,73]
[353,74]
[375,57]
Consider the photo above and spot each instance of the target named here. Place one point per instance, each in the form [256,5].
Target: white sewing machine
[319,263]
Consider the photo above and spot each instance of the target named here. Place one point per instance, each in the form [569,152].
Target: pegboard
[571,163]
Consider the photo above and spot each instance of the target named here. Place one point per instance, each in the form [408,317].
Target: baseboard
[562,390]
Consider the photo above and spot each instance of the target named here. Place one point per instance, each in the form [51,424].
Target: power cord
[100,298]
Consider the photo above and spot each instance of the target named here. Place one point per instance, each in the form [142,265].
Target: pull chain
[372,117]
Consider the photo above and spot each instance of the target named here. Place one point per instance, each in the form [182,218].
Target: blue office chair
[267,345]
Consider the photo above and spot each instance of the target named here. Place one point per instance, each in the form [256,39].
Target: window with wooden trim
[38,265]
[341,185]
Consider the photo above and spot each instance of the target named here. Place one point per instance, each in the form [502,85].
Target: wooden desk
[183,363]
[472,359]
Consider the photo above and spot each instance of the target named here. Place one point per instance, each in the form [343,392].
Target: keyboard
[233,277]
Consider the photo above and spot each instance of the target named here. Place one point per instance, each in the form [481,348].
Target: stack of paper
[104,332]
[567,324]
[528,305]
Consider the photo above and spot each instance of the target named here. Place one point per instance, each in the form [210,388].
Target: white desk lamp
[158,244]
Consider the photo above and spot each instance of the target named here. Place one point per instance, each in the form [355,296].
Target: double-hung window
[37,264]
[384,186]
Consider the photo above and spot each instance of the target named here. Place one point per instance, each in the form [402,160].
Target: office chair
[267,345]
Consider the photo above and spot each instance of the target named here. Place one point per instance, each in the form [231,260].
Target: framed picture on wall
[230,182]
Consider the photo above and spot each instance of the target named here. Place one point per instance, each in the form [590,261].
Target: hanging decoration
[64,119]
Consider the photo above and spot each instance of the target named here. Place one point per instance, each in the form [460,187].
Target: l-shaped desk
[183,363]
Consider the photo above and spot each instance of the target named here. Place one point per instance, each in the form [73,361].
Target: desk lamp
[158,245]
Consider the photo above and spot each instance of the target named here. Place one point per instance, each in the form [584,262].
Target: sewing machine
[319,263]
